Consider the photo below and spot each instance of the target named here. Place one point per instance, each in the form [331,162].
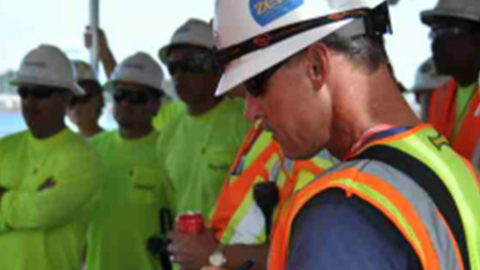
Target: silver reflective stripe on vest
[423,205]
[420,200]
[251,228]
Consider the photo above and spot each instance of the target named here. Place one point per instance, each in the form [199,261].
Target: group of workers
[290,136]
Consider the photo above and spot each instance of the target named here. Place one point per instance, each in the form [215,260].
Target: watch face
[217,259]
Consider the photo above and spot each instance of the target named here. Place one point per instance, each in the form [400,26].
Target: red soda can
[190,223]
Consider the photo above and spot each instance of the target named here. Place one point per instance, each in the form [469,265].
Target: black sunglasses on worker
[38,92]
[257,85]
[193,63]
[85,98]
[131,96]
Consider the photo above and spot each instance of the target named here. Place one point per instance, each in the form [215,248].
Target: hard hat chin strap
[376,23]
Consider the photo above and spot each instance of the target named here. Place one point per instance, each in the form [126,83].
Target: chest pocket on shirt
[145,184]
[217,159]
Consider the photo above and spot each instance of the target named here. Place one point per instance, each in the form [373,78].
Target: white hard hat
[428,78]
[194,32]
[139,68]
[47,65]
[251,26]
[83,71]
[462,9]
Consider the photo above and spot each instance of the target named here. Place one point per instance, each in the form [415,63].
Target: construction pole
[94,25]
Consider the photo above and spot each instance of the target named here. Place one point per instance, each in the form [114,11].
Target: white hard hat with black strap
[265,40]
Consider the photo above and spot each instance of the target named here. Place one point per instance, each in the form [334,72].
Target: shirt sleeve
[77,188]
[336,232]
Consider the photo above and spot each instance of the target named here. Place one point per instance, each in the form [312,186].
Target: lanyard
[373,134]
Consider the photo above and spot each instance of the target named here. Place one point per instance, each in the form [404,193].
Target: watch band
[218,259]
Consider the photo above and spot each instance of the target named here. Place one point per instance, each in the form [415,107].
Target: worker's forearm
[108,61]
[238,254]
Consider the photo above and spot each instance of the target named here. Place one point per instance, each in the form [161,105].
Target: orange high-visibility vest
[234,218]
[401,199]
[442,115]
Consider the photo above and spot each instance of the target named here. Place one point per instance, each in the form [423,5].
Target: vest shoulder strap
[426,178]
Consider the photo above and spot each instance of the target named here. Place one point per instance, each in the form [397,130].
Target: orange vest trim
[396,137]
[425,251]
[232,195]
[443,117]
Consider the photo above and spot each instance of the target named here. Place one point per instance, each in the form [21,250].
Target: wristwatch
[218,259]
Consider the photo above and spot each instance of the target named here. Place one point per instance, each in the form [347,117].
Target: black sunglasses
[39,92]
[85,98]
[131,96]
[450,32]
[257,85]
[193,63]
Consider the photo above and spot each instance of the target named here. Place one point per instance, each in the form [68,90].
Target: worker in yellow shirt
[196,150]
[133,195]
[50,177]
[170,107]
[85,111]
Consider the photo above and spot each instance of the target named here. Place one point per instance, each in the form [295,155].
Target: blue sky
[146,25]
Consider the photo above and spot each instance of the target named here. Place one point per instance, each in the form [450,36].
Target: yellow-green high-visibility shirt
[168,112]
[462,101]
[53,186]
[129,210]
[195,153]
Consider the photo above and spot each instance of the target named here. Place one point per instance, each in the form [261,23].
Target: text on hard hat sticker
[267,11]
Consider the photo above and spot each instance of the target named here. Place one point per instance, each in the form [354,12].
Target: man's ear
[318,58]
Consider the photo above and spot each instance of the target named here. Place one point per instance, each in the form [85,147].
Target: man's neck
[46,133]
[90,130]
[133,133]
[377,102]
[202,107]
[466,78]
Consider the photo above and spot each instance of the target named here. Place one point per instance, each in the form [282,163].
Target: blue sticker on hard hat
[267,11]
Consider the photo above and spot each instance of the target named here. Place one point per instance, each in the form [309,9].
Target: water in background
[11,122]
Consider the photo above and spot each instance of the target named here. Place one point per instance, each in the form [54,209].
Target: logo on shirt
[267,11]
[439,141]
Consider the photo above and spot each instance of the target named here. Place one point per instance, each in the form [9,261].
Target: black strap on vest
[430,182]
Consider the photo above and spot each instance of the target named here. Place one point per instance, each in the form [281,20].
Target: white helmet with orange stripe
[254,35]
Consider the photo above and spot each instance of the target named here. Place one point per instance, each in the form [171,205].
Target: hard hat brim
[74,88]
[428,17]
[165,51]
[248,66]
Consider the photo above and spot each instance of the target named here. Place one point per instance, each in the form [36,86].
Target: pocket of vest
[145,184]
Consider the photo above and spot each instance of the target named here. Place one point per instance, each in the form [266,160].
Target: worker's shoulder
[74,145]
[346,224]
[14,138]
